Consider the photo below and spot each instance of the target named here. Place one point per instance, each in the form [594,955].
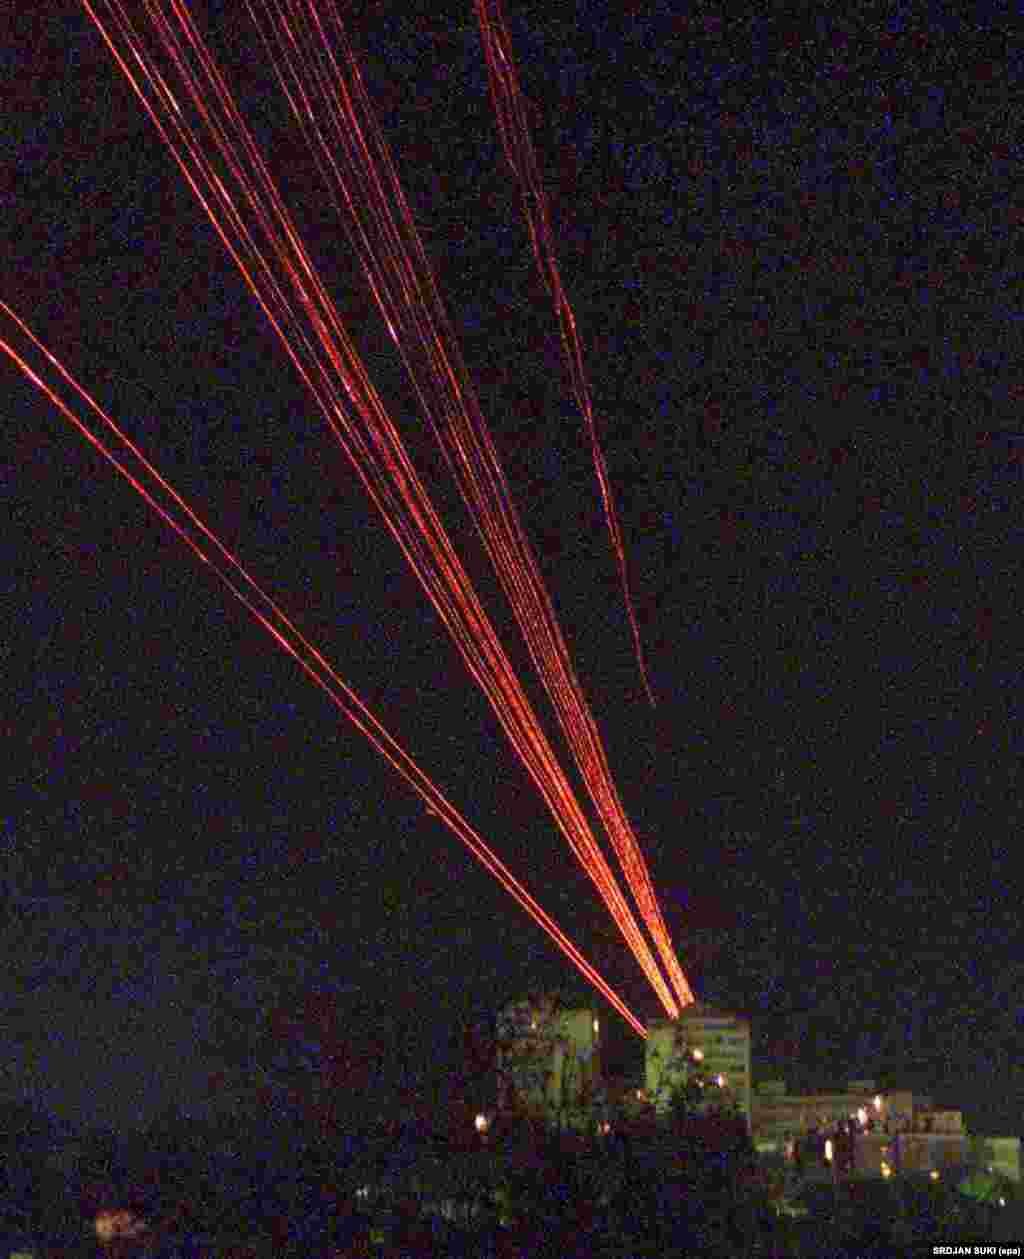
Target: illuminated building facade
[778,1117]
[715,1039]
[888,1133]
[1000,1155]
[549,1058]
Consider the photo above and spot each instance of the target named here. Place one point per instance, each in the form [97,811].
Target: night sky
[793,254]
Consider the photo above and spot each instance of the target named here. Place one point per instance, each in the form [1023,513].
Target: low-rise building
[548,1058]
[930,1151]
[885,1132]
[1000,1155]
[719,1040]
[779,1118]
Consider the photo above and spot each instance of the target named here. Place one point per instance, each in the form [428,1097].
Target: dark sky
[793,253]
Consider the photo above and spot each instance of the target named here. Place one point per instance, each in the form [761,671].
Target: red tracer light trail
[515,137]
[291,640]
[334,113]
[339,384]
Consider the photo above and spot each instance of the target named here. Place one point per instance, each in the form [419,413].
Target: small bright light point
[934,1175]
[482,1123]
[720,1081]
[113,1224]
[595,1026]
[828,1150]
[105,1227]
[862,1116]
[878,1103]
[698,1055]
[886,1170]
[1002,1202]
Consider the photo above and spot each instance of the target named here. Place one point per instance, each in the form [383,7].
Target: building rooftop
[700,1010]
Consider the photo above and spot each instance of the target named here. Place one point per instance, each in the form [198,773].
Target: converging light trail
[266,247]
[360,178]
[515,137]
[341,388]
[291,640]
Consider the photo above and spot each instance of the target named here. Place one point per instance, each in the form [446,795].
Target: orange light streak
[361,179]
[291,640]
[338,382]
[515,136]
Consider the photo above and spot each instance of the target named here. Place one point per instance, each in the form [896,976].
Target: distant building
[892,1131]
[1000,1155]
[721,1039]
[549,1059]
[929,1151]
[778,1117]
